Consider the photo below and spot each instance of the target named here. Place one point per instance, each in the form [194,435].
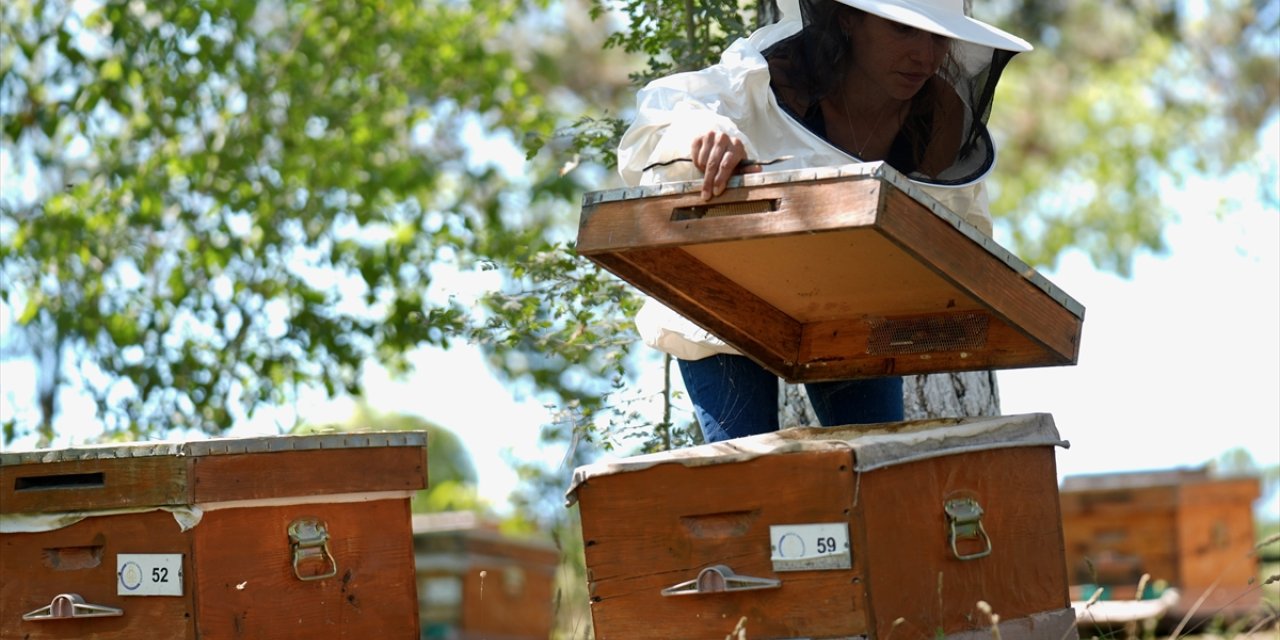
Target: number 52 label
[149,574]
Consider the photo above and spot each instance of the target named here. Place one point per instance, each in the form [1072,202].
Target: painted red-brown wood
[1184,528]
[308,473]
[81,559]
[797,284]
[911,569]
[509,597]
[649,527]
[506,585]
[93,484]
[652,529]
[239,578]
[246,586]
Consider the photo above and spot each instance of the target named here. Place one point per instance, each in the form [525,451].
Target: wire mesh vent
[923,334]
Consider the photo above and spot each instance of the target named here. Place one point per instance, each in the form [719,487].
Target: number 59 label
[808,547]
[149,574]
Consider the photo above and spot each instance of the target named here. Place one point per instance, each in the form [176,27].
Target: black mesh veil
[817,58]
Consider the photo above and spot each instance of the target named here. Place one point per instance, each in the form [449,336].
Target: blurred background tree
[452,474]
[209,206]
[1121,101]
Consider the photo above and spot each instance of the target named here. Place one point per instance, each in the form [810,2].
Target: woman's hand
[718,156]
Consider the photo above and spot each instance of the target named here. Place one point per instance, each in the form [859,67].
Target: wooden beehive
[841,272]
[476,582]
[1180,526]
[267,538]
[880,531]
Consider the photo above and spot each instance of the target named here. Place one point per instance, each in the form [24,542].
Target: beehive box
[1181,526]
[833,273]
[265,538]
[895,530]
[476,582]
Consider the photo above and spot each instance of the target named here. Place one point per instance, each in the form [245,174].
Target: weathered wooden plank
[640,539]
[252,476]
[81,559]
[791,268]
[246,586]
[741,213]
[911,569]
[713,301]
[75,485]
[1009,294]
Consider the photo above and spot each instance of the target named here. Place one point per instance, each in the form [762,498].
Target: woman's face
[895,57]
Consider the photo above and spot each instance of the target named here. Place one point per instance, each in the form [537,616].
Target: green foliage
[233,200]
[451,472]
[1119,101]
[675,35]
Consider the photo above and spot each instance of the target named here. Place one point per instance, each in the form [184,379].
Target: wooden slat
[838,349]
[308,473]
[641,537]
[75,485]
[716,303]
[1009,294]
[246,587]
[793,287]
[802,207]
[908,544]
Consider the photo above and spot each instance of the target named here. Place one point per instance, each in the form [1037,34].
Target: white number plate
[149,574]
[809,547]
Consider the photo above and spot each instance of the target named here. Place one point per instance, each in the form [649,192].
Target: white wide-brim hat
[943,17]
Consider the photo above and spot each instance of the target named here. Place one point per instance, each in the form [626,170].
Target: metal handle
[66,606]
[719,579]
[964,519]
[309,538]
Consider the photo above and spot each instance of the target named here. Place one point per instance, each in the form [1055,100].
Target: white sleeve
[673,111]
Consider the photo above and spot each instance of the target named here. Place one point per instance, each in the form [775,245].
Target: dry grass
[1212,625]
[1263,624]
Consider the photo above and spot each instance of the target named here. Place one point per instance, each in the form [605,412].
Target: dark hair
[807,67]
[816,62]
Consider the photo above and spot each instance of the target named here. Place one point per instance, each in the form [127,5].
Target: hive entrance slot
[745,207]
[61,481]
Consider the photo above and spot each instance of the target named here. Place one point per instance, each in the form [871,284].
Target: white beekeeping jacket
[734,97]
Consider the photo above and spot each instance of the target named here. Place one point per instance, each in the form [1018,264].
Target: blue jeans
[735,397]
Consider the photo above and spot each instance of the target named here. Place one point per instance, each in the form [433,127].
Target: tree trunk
[951,395]
[940,395]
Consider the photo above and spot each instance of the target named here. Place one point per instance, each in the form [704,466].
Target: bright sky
[1178,364]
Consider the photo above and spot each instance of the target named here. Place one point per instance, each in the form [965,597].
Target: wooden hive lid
[873,446]
[833,273]
[216,446]
[210,473]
